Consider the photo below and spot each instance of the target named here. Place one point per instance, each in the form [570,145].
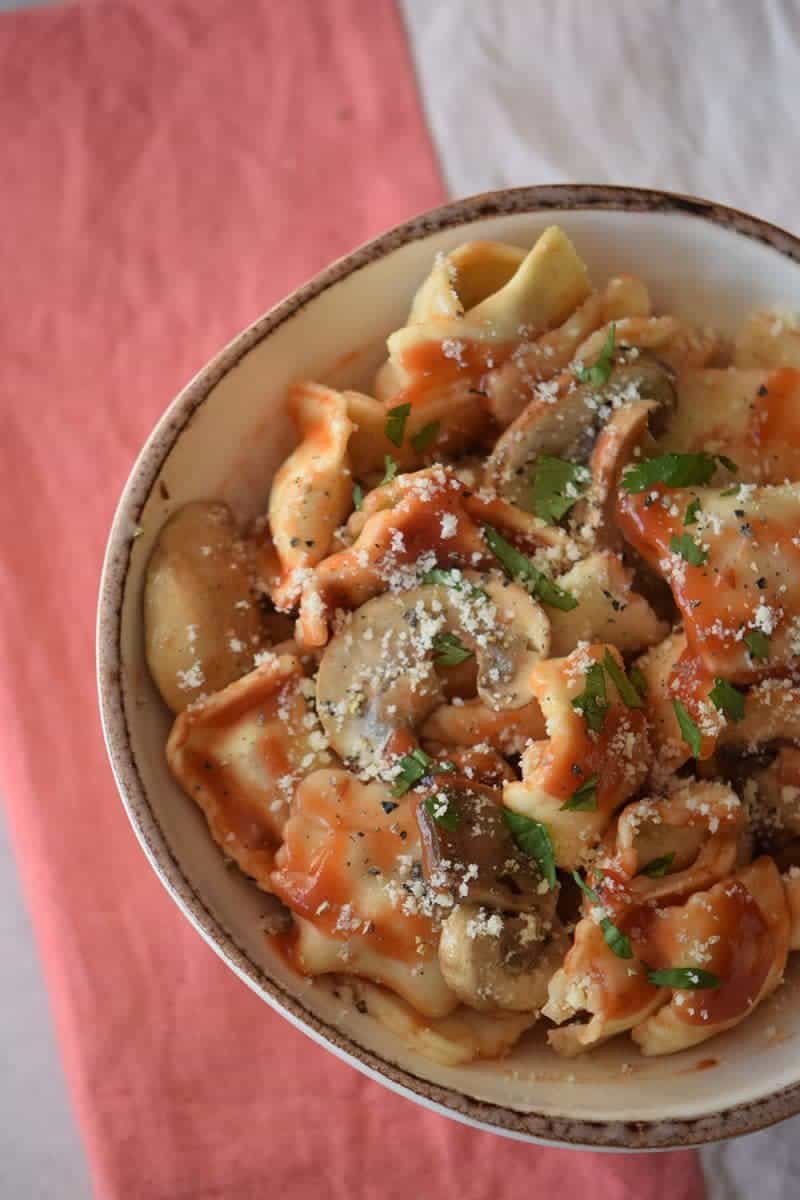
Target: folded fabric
[172,168]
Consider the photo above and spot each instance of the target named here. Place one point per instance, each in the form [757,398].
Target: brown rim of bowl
[617,1135]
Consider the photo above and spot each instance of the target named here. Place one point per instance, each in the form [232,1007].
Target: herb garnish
[689,978]
[443,810]
[584,798]
[390,467]
[592,703]
[629,693]
[519,567]
[615,939]
[358,496]
[600,372]
[557,485]
[657,868]
[758,644]
[687,548]
[416,766]
[395,426]
[636,676]
[689,731]
[674,471]
[426,436]
[449,650]
[453,578]
[533,839]
[728,699]
[692,509]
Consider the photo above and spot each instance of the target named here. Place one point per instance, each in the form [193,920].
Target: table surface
[489,85]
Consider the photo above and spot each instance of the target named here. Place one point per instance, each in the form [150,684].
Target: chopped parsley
[629,693]
[692,509]
[443,810]
[600,372]
[449,650]
[395,426]
[557,485]
[657,868]
[518,566]
[358,496]
[533,839]
[687,548]
[584,798]
[390,468]
[414,767]
[674,471]
[615,939]
[728,699]
[689,731]
[758,645]
[592,703]
[424,439]
[636,676]
[453,578]
[690,978]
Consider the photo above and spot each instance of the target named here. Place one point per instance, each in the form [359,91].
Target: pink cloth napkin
[171,168]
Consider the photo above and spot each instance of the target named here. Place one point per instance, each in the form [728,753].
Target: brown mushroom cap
[472,854]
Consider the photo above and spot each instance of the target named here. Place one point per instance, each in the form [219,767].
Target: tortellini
[519,632]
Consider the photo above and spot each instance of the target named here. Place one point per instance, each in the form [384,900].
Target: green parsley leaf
[395,426]
[449,650]
[416,766]
[453,578]
[584,798]
[444,812]
[732,491]
[688,549]
[424,439]
[724,461]
[623,683]
[358,496]
[390,467]
[599,373]
[673,470]
[692,509]
[519,567]
[689,731]
[657,868]
[690,978]
[557,485]
[758,645]
[728,699]
[636,676]
[615,939]
[592,703]
[533,839]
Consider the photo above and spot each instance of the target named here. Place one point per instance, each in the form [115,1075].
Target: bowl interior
[228,446]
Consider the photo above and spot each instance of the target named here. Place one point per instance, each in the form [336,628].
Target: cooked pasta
[501,698]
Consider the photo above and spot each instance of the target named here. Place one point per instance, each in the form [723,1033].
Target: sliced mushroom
[470,851]
[511,387]
[202,617]
[565,424]
[773,795]
[377,679]
[479,763]
[494,961]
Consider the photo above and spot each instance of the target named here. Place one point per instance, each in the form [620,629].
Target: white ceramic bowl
[223,436]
